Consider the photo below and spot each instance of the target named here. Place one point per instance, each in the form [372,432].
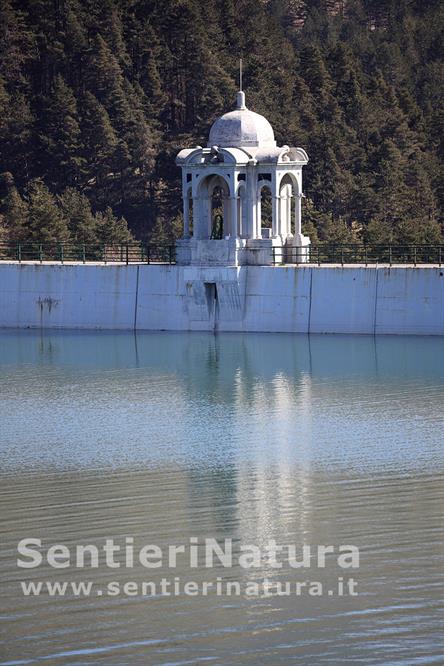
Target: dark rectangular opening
[211,296]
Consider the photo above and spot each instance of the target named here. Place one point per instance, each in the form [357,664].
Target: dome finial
[240,99]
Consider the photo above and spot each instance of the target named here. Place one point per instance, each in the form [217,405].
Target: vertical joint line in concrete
[310,298]
[376,300]
[244,303]
[136,299]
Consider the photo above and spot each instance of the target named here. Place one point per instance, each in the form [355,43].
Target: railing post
[61,252]
[170,254]
[342,255]
[390,255]
[273,255]
[439,256]
[19,252]
[365,255]
[148,254]
[319,256]
[414,255]
[83,253]
[40,253]
[104,253]
[127,256]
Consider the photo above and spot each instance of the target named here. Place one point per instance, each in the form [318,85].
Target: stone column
[233,217]
[226,214]
[239,213]
[289,194]
[282,226]
[206,218]
[258,218]
[186,217]
[275,216]
[197,216]
[201,217]
[250,202]
[297,214]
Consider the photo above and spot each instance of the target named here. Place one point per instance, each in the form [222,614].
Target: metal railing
[142,253]
[327,253]
[126,253]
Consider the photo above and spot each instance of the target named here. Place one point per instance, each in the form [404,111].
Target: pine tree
[315,73]
[14,211]
[146,57]
[123,173]
[60,136]
[76,210]
[104,76]
[422,223]
[46,222]
[99,95]
[15,44]
[99,143]
[16,134]
[112,230]
[392,191]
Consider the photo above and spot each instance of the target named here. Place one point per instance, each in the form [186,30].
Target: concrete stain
[47,302]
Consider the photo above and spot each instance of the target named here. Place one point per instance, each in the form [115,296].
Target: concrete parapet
[299,299]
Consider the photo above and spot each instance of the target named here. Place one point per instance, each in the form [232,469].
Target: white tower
[222,188]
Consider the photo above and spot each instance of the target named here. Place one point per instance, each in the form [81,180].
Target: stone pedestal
[264,251]
[298,249]
[209,252]
[242,252]
[183,251]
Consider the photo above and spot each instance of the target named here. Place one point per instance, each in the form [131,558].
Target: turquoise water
[163,437]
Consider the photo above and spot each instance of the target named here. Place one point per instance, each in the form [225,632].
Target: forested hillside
[97,97]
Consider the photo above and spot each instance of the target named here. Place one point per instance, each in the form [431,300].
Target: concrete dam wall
[310,299]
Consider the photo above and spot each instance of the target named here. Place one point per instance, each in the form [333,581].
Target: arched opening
[214,217]
[265,211]
[188,214]
[217,213]
[289,206]
[242,230]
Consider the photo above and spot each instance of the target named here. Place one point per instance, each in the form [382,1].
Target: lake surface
[165,437]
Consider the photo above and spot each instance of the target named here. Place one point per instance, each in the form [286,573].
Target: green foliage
[46,223]
[60,136]
[97,97]
[111,229]
[14,211]
[76,210]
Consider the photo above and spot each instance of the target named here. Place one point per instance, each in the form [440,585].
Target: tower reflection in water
[164,437]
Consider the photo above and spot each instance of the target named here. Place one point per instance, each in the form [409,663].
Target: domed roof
[241,128]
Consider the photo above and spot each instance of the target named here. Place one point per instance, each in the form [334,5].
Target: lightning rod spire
[240,95]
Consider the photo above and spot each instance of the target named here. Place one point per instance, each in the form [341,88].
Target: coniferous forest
[98,96]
